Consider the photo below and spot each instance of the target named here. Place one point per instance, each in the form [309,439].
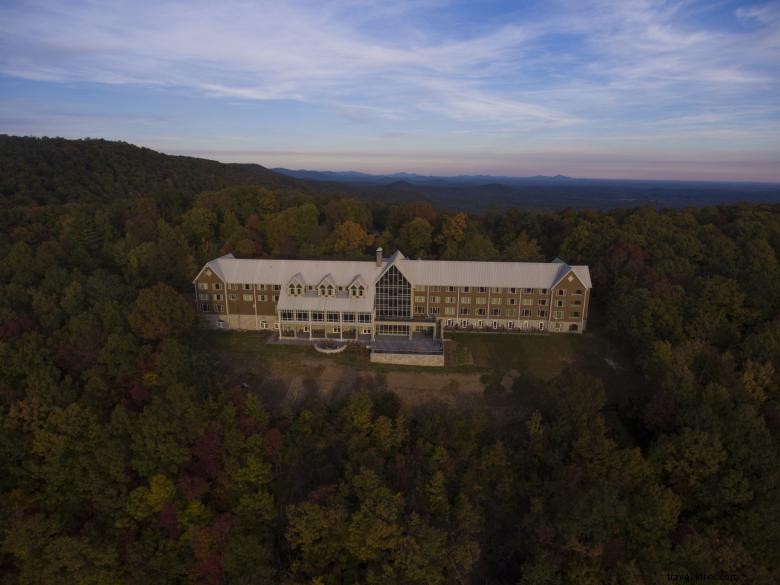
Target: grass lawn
[253,347]
[544,356]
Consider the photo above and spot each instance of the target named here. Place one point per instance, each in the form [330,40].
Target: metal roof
[419,272]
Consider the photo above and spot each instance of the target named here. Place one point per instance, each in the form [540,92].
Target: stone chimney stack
[379,256]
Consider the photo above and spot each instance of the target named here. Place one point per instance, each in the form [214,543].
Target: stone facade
[254,295]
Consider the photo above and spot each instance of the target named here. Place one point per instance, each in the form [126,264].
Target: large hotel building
[317,299]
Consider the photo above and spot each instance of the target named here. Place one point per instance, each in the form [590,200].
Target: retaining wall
[408,359]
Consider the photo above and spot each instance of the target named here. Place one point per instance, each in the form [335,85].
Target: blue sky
[588,88]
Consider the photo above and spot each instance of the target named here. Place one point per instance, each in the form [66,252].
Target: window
[560,303]
[449,310]
[262,298]
[576,314]
[233,297]
[357,290]
[450,300]
[464,311]
[203,285]
[480,323]
[528,302]
[434,289]
[317,316]
[393,298]
[419,288]
[276,298]
[542,313]
[262,287]
[465,300]
[561,292]
[419,309]
[247,286]
[326,290]
[287,315]
[512,301]
[449,322]
[419,299]
[495,290]
[364,317]
[541,325]
[495,324]
[526,312]
[219,308]
[495,312]
[464,323]
[301,315]
[543,291]
[204,308]
[558,315]
[333,317]
[366,331]
[336,329]
[451,289]
[466,289]
[295,289]
[277,287]
[217,297]
[578,291]
[249,298]
[220,324]
[577,303]
[348,317]
[435,310]
[510,325]
[481,312]
[310,287]
[481,300]
[203,297]
[528,291]
[217,286]
[233,286]
[435,299]
[557,326]
[495,301]
[542,302]
[511,312]
[263,324]
[512,291]
[482,289]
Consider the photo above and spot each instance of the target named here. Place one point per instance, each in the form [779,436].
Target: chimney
[379,256]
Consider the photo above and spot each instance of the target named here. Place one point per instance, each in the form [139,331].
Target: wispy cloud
[543,70]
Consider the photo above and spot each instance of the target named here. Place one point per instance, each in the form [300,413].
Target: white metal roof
[498,274]
[419,272]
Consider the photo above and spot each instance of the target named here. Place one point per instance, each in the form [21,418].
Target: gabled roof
[357,281]
[418,272]
[297,279]
[327,280]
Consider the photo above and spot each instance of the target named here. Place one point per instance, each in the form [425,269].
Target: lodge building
[317,299]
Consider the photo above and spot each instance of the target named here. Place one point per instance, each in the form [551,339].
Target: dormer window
[326,290]
[357,290]
[295,289]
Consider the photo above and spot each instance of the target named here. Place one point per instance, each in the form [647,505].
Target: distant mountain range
[485,180]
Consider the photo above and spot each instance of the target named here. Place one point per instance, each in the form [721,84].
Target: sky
[587,88]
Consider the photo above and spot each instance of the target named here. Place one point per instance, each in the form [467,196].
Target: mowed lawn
[543,356]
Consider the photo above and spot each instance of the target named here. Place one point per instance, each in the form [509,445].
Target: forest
[127,456]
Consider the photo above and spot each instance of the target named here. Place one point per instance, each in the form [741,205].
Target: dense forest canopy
[126,456]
